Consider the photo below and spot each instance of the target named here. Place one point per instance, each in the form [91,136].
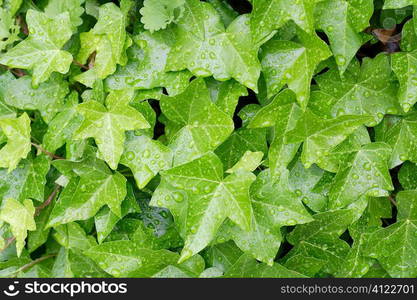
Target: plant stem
[32,263]
[51,155]
[48,201]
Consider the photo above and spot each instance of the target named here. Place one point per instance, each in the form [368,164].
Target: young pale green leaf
[73,7]
[9,30]
[108,40]
[363,90]
[20,216]
[294,64]
[364,173]
[203,125]
[201,199]
[158,14]
[63,125]
[249,162]
[107,125]
[41,51]
[320,136]
[17,131]
[206,48]
[342,21]
[395,246]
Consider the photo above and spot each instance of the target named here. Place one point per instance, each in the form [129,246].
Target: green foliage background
[188,138]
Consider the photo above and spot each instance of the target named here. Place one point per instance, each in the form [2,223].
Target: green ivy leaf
[17,131]
[321,135]
[48,98]
[206,48]
[203,125]
[41,51]
[364,173]
[201,199]
[107,125]
[157,14]
[342,21]
[294,64]
[363,90]
[20,217]
[395,245]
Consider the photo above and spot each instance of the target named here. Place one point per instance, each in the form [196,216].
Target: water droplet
[130,155]
[340,60]
[178,197]
[146,153]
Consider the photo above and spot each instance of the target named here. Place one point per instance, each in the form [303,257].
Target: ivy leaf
[363,90]
[400,134]
[206,48]
[41,51]
[107,125]
[9,30]
[393,4]
[405,67]
[201,199]
[105,220]
[249,162]
[109,40]
[48,98]
[125,259]
[146,66]
[203,125]
[246,267]
[274,205]
[91,186]
[270,15]
[294,64]
[282,113]
[73,7]
[407,176]
[395,245]
[20,217]
[63,125]
[367,171]
[342,21]
[27,181]
[157,14]
[320,135]
[226,94]
[311,185]
[145,157]
[17,131]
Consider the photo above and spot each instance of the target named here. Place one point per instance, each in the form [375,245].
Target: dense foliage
[188,138]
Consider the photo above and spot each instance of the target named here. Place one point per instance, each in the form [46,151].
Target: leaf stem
[48,200]
[391,198]
[81,65]
[32,263]
[9,241]
[51,155]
